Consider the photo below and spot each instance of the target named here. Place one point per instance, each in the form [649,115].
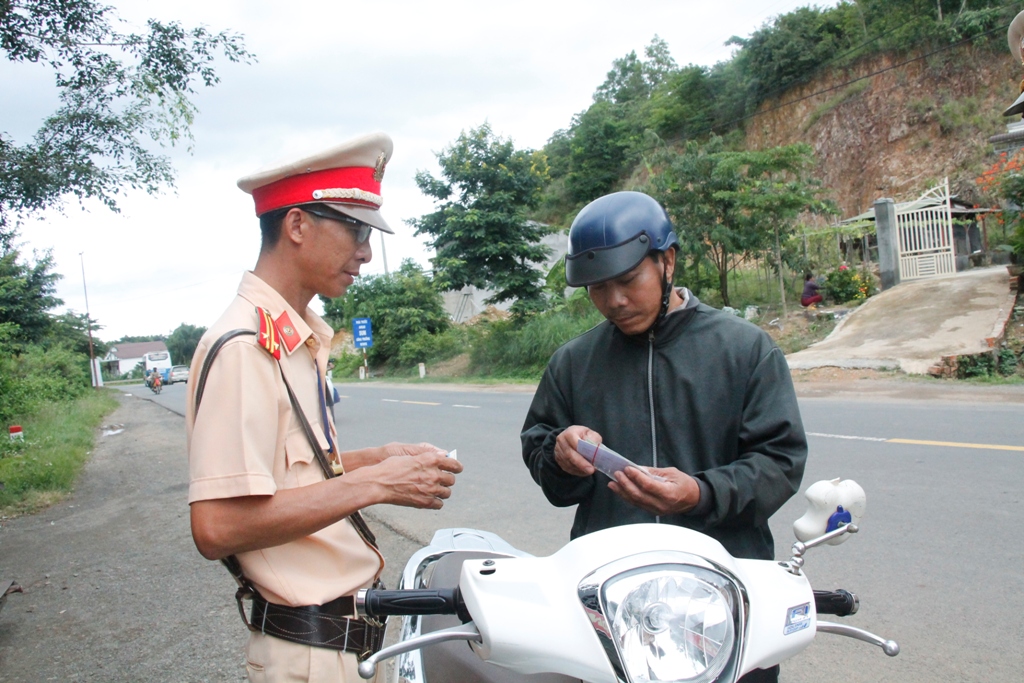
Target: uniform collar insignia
[289,335]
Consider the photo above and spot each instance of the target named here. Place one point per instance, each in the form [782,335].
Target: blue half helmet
[613,234]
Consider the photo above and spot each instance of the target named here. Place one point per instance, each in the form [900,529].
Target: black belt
[328,626]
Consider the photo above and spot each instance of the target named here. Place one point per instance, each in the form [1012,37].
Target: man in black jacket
[695,395]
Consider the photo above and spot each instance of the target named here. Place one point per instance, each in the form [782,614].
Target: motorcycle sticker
[797,619]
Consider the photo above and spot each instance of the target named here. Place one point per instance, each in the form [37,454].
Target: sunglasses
[361,230]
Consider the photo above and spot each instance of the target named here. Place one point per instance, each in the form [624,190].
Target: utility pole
[93,370]
[383,253]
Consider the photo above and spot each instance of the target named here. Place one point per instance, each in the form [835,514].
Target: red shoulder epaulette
[268,335]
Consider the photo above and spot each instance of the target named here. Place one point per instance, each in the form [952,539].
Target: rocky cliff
[895,125]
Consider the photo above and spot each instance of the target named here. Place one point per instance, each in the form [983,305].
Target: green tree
[119,92]
[708,223]
[727,204]
[776,188]
[480,230]
[603,141]
[27,296]
[604,138]
[632,79]
[183,341]
[684,106]
[401,307]
[795,45]
[135,338]
[71,330]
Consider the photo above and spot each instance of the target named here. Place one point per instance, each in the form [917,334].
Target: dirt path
[114,588]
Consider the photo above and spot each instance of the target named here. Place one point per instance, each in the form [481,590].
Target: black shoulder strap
[208,362]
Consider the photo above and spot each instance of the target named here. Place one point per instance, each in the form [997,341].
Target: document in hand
[607,461]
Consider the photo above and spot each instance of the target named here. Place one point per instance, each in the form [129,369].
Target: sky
[328,71]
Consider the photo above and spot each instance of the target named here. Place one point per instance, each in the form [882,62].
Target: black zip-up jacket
[705,392]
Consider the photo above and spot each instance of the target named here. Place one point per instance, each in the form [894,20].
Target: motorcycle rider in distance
[697,396]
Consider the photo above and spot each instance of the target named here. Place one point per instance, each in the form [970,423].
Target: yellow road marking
[955,444]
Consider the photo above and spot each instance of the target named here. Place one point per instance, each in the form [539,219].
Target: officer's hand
[419,481]
[375,455]
[566,455]
[679,493]
[395,448]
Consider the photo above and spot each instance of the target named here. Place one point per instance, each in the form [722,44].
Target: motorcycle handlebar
[840,603]
[385,603]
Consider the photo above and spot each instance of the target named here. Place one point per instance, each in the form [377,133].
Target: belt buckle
[373,637]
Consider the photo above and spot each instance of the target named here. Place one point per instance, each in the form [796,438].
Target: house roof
[134,349]
[957,208]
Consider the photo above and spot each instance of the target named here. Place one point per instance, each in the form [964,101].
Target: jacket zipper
[650,401]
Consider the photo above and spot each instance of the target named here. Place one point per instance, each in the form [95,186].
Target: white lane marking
[457,405]
[391,400]
[919,442]
[844,436]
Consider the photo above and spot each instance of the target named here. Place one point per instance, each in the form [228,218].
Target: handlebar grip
[840,603]
[385,603]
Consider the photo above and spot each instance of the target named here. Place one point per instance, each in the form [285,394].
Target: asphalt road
[937,564]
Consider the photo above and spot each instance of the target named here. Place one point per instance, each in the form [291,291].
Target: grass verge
[59,438]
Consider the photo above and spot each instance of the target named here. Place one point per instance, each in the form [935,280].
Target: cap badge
[378,169]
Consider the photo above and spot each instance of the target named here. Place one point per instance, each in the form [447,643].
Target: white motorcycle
[645,602]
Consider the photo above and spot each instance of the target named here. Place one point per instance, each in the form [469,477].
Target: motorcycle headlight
[671,623]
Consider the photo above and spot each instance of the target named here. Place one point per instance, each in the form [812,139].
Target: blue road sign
[362,333]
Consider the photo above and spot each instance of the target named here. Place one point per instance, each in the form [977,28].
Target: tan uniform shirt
[246,441]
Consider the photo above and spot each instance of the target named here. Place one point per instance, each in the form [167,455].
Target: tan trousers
[272,660]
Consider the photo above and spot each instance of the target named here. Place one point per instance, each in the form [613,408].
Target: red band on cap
[298,189]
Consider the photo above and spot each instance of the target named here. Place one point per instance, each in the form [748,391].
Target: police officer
[700,397]
[263,451]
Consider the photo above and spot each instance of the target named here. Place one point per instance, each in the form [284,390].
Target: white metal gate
[926,235]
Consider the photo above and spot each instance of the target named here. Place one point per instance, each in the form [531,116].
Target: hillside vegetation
[920,83]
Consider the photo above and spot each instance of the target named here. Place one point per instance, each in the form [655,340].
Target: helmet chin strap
[666,290]
[666,295]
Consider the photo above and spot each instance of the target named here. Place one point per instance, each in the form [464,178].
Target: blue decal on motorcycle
[797,619]
[838,518]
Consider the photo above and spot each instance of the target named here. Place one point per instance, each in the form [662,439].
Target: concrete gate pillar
[888,242]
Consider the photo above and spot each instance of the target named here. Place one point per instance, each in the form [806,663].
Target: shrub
[425,347]
[523,350]
[1006,362]
[845,284]
[37,376]
[346,365]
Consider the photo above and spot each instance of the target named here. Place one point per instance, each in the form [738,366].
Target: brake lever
[468,631]
[889,647]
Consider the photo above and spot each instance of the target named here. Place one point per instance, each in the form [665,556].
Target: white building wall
[463,304]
